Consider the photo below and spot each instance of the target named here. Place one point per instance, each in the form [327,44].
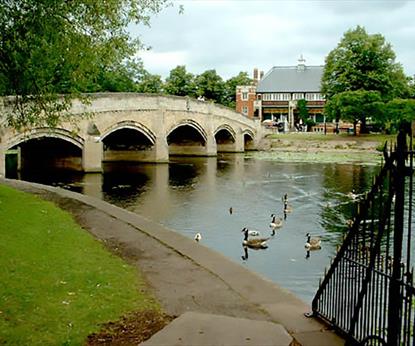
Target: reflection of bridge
[133,127]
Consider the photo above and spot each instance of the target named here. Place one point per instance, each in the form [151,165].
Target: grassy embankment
[57,283]
[315,147]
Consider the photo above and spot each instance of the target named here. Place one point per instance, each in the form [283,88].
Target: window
[314,97]
[245,110]
[244,96]
[298,96]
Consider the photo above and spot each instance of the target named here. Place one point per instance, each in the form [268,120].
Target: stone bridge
[132,127]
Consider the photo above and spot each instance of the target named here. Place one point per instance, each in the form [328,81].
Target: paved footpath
[216,301]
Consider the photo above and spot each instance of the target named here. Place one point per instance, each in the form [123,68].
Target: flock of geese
[253,240]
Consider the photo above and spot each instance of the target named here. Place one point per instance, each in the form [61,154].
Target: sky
[238,35]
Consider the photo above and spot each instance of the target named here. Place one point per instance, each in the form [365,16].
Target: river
[194,195]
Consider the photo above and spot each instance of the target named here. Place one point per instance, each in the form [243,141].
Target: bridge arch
[248,139]
[41,132]
[129,140]
[226,127]
[45,148]
[133,125]
[188,138]
[226,139]
[192,123]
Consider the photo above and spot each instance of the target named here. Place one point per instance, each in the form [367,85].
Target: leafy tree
[150,83]
[58,47]
[180,82]
[397,110]
[210,85]
[120,77]
[229,94]
[303,114]
[355,106]
[363,62]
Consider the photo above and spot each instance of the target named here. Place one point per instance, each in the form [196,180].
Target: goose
[287,208]
[256,243]
[198,237]
[276,222]
[312,243]
[245,255]
[253,233]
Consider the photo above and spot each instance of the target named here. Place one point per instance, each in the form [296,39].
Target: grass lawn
[58,283]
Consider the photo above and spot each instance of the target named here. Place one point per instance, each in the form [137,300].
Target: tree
[210,85]
[397,110]
[180,82]
[120,77]
[49,48]
[355,106]
[150,83]
[229,96]
[363,62]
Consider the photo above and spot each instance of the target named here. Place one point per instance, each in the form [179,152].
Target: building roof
[300,78]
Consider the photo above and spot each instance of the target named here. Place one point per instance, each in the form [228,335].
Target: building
[246,95]
[274,96]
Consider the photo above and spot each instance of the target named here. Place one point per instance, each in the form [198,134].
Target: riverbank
[315,147]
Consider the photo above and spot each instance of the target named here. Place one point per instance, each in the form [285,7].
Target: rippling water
[193,195]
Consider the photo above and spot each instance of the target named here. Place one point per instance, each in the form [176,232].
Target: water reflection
[217,197]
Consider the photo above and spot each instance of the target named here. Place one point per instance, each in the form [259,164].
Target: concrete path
[189,277]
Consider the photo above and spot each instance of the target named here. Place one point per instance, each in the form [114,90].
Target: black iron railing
[368,292]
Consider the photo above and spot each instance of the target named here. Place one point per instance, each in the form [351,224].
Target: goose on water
[253,233]
[312,243]
[255,243]
[287,208]
[276,222]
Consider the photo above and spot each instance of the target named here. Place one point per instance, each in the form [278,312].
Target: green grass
[57,283]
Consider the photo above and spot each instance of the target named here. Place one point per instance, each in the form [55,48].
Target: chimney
[255,75]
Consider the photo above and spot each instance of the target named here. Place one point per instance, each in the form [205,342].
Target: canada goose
[285,198]
[287,208]
[253,233]
[245,255]
[256,243]
[276,222]
[312,243]
[198,237]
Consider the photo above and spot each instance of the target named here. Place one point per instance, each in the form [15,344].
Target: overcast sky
[237,35]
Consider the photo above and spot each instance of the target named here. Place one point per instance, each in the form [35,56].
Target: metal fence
[368,292]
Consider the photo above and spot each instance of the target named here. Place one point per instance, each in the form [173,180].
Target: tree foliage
[49,48]
[363,62]
[355,106]
[229,94]
[150,83]
[395,111]
[180,82]
[210,85]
